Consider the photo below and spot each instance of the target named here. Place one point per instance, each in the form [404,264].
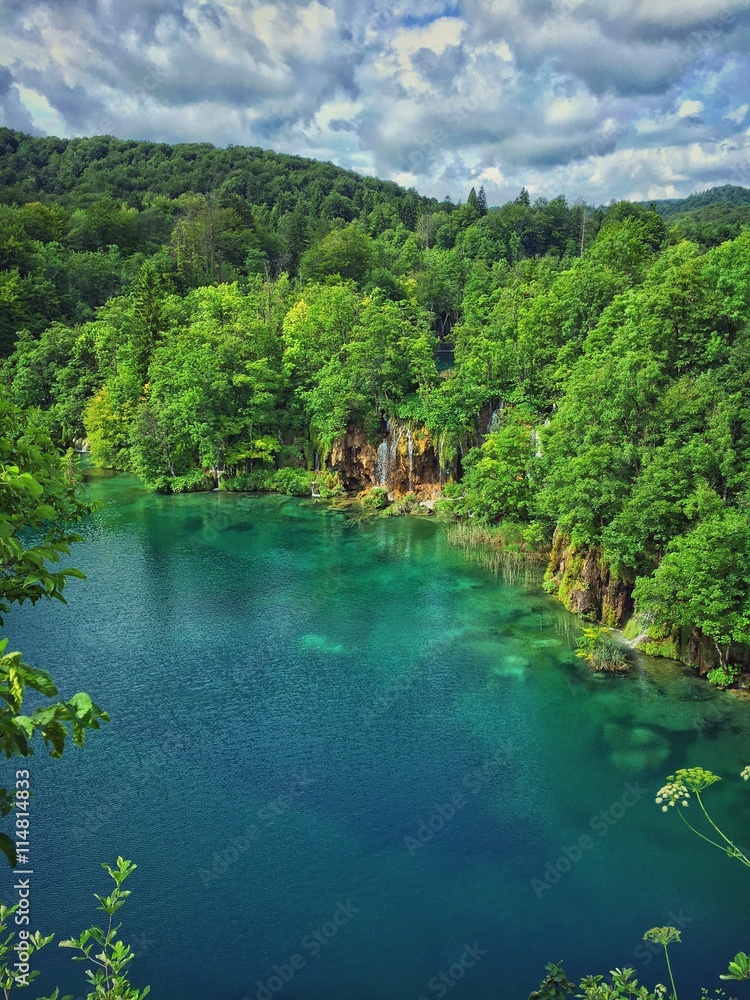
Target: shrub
[375,498]
[602,652]
[292,482]
[723,676]
[406,505]
[328,484]
[194,482]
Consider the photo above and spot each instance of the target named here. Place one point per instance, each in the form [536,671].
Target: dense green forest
[206,316]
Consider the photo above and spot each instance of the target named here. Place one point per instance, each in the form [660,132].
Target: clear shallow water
[296,701]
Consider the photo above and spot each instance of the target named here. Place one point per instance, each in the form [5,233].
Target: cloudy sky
[591,98]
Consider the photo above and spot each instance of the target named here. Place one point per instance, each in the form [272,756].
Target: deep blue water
[353,745]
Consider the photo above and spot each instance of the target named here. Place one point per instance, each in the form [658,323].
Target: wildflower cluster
[745,773]
[697,778]
[672,794]
[662,935]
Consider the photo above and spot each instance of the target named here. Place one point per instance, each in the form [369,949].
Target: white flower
[672,794]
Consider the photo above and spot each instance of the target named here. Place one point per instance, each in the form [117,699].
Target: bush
[375,498]
[250,482]
[194,482]
[602,652]
[328,484]
[408,504]
[723,676]
[292,482]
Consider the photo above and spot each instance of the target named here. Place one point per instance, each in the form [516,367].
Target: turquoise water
[346,760]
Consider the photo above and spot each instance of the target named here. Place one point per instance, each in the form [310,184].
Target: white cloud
[41,112]
[739,114]
[688,109]
[580,108]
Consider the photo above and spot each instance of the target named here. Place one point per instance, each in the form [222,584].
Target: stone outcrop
[587,585]
[403,459]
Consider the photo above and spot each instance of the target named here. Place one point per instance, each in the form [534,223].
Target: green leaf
[9,849]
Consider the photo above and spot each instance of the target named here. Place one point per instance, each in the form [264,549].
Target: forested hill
[727,194]
[708,217]
[78,172]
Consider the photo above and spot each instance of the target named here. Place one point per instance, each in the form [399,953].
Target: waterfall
[410,445]
[381,465]
[387,459]
[317,462]
[493,424]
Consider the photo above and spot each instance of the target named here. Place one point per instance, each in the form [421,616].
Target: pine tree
[482,201]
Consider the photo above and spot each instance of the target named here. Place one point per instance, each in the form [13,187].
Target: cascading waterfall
[381,465]
[493,424]
[317,462]
[387,460]
[410,446]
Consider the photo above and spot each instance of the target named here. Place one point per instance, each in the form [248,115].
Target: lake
[350,763]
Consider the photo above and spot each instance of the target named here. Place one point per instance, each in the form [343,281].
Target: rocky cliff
[587,585]
[403,459]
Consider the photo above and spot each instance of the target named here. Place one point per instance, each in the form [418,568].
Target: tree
[704,581]
[496,476]
[346,252]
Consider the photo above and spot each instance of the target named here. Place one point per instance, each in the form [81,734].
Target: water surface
[349,743]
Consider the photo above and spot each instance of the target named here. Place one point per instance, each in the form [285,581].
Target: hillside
[727,194]
[708,217]
[77,172]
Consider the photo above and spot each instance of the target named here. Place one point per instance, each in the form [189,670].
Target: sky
[594,99]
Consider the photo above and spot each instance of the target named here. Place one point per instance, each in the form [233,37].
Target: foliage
[723,676]
[554,986]
[108,957]
[597,646]
[739,967]
[20,952]
[375,498]
[39,504]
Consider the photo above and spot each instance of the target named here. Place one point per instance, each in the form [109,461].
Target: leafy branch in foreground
[39,503]
[107,954]
[14,958]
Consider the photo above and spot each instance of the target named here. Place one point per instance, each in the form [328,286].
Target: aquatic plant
[601,651]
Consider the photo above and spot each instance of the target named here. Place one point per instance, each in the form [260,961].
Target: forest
[205,317]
